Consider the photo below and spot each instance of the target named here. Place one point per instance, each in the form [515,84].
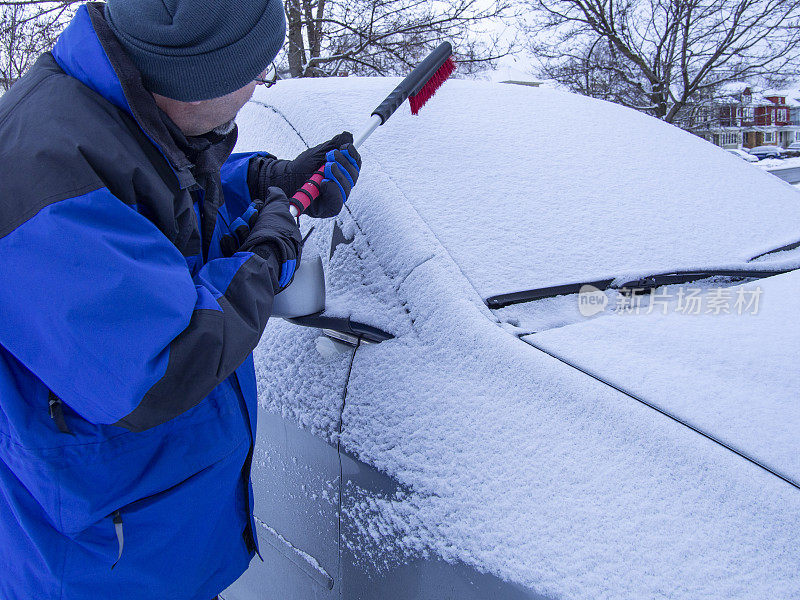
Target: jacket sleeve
[101,307]
[249,175]
[239,179]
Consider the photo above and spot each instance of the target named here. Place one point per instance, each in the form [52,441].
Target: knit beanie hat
[198,49]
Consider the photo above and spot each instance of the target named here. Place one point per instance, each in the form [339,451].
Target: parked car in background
[743,155]
[477,414]
[793,149]
[762,152]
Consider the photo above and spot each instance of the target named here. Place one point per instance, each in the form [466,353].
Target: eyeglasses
[268,76]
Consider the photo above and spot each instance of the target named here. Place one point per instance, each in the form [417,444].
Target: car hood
[552,475]
[733,376]
[530,187]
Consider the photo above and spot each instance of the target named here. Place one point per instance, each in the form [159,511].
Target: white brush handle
[375,121]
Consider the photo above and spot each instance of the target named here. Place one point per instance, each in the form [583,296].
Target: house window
[782,116]
[769,136]
[729,139]
[797,136]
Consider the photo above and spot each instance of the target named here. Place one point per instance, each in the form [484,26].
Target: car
[793,149]
[479,412]
[743,155]
[762,152]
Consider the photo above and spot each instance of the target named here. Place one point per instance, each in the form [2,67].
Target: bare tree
[664,57]
[325,37]
[28,29]
[386,37]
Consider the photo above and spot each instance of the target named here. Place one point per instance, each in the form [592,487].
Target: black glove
[291,175]
[268,229]
[341,170]
[230,242]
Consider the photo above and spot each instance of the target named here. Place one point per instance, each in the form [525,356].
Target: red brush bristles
[419,99]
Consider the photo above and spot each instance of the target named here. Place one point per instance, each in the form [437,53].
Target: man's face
[197,118]
[219,111]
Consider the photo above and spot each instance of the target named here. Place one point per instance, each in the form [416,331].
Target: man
[139,263]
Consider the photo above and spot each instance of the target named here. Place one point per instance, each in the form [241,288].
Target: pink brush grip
[311,189]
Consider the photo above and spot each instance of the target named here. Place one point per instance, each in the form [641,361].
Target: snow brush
[306,295]
[418,87]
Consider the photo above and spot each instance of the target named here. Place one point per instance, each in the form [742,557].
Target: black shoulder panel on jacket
[35,174]
[59,139]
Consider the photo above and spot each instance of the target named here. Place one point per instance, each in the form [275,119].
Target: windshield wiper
[502,300]
[633,286]
[791,246]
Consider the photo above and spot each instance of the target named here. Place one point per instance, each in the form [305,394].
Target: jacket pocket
[118,521]
[97,479]
[170,542]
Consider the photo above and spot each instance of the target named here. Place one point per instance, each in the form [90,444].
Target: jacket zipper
[116,518]
[248,534]
[56,408]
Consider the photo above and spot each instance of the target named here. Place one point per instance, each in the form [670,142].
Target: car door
[296,471]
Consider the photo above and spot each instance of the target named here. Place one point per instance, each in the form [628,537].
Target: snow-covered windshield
[528,187]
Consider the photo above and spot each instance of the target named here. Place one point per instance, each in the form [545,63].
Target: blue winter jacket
[127,389]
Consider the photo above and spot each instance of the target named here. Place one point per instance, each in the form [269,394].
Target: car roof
[527,187]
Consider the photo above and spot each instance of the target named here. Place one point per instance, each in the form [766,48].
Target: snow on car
[761,152]
[502,443]
[743,154]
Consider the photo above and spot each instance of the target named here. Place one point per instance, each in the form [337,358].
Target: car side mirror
[306,294]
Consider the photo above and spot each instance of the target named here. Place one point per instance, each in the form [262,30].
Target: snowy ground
[779,163]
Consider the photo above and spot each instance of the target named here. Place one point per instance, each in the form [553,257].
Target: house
[744,117]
